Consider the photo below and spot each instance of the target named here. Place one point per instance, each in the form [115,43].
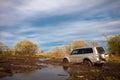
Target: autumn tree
[26,47]
[74,45]
[114,44]
[79,44]
[94,43]
[3,48]
[57,50]
[67,48]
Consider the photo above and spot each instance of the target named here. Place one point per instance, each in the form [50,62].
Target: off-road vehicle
[88,56]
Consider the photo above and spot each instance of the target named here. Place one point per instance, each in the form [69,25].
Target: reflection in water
[57,72]
[9,66]
[66,72]
[44,59]
[82,72]
[51,72]
[78,72]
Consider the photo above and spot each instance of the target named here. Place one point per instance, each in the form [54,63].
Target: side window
[100,50]
[80,51]
[87,50]
[75,52]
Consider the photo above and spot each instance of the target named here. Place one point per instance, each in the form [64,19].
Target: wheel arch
[66,59]
[87,59]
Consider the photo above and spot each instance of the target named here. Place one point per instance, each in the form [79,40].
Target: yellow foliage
[26,47]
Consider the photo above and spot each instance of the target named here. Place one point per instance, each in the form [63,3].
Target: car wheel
[87,63]
[65,61]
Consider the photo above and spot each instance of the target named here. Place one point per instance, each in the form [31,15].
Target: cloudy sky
[57,22]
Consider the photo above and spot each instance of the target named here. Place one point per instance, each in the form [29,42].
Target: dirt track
[12,65]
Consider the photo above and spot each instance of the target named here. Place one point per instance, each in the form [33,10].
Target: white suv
[88,56]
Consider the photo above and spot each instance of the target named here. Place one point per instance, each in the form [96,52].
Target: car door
[79,56]
[73,55]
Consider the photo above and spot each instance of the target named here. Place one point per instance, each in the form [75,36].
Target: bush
[26,47]
[3,49]
[114,44]
[74,45]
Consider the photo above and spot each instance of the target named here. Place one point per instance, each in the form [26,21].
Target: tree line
[27,47]
[24,47]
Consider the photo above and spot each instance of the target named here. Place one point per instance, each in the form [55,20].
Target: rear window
[100,50]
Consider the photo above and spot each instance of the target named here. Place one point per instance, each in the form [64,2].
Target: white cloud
[6,34]
[16,12]
[85,30]
[54,6]
[65,32]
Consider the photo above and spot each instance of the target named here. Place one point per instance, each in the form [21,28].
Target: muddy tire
[65,61]
[87,63]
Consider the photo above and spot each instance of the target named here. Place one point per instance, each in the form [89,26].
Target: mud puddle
[66,72]
[51,72]
[54,69]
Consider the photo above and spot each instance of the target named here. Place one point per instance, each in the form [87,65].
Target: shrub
[26,47]
[114,44]
[3,49]
[74,45]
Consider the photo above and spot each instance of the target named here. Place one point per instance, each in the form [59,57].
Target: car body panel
[94,56]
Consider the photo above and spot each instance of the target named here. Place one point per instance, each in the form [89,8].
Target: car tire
[87,63]
[65,61]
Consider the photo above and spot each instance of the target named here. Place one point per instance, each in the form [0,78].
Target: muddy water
[56,70]
[51,72]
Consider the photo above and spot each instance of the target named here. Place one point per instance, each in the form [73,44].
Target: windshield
[100,50]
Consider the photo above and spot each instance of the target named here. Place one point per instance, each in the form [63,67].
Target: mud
[54,69]
[108,71]
[12,65]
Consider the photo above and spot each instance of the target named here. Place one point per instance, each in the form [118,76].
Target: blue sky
[57,22]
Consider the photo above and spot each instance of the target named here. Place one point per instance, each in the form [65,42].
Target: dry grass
[114,58]
[51,55]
